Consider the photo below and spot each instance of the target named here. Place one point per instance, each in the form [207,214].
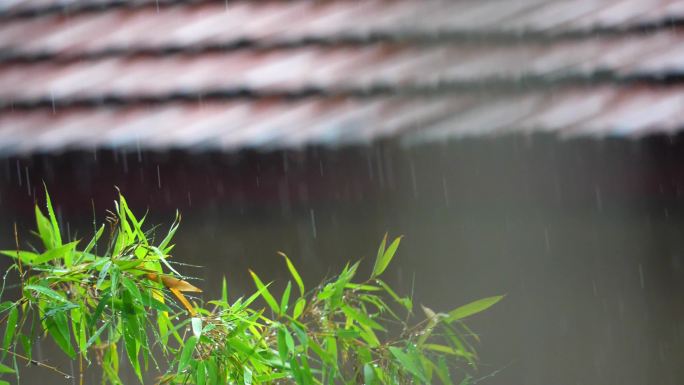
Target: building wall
[584,236]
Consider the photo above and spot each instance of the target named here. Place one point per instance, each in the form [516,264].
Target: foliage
[131,297]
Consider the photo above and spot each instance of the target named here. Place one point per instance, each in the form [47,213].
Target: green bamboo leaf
[196,326]
[442,370]
[265,293]
[103,274]
[284,301]
[137,230]
[46,291]
[44,229]
[405,302]
[213,372]
[186,353]
[94,240]
[27,344]
[298,308]
[441,349]
[294,273]
[10,329]
[384,257]
[93,337]
[58,327]
[361,318]
[331,348]
[148,300]
[132,337]
[56,236]
[378,257]
[132,288]
[283,350]
[247,375]
[63,251]
[81,337]
[164,245]
[26,257]
[4,369]
[472,308]
[369,375]
[201,374]
[407,362]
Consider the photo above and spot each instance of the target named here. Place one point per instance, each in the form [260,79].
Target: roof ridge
[439,88]
[94,7]
[439,37]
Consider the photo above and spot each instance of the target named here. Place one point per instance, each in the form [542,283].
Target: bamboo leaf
[284,301]
[56,236]
[173,283]
[294,273]
[63,251]
[94,337]
[265,293]
[298,308]
[164,245]
[384,257]
[472,308]
[361,318]
[186,353]
[407,362]
[58,328]
[26,257]
[94,240]
[369,375]
[10,329]
[44,229]
[46,291]
[442,371]
[196,326]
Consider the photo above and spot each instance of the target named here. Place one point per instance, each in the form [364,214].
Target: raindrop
[137,147]
[413,178]
[313,222]
[547,242]
[28,182]
[19,172]
[125,162]
[599,198]
[158,178]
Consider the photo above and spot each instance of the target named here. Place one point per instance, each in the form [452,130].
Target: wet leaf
[294,273]
[10,329]
[385,256]
[472,308]
[196,326]
[265,293]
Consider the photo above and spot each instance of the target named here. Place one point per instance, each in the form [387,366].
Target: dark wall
[583,235]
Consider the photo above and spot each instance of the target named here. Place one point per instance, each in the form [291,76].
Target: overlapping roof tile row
[234,74]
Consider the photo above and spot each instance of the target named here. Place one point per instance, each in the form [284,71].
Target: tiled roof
[231,74]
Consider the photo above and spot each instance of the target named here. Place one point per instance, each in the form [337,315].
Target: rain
[529,149]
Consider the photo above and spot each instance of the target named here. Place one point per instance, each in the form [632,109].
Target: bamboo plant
[130,298]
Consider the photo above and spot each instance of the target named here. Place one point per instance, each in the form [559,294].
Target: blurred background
[523,147]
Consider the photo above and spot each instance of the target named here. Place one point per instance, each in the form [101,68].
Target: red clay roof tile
[234,74]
